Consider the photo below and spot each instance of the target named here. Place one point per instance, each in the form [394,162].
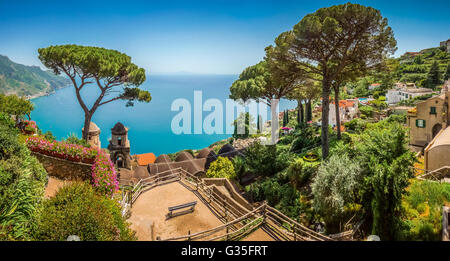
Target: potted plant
[311,157]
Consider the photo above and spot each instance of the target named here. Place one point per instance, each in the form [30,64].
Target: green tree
[433,76]
[387,165]
[248,125]
[221,168]
[349,74]
[250,83]
[335,186]
[305,92]
[15,106]
[108,69]
[336,38]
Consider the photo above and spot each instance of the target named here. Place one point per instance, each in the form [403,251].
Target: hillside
[27,80]
[414,66]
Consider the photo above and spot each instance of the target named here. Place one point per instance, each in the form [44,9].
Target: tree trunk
[325,116]
[338,117]
[87,122]
[274,121]
[300,115]
[308,111]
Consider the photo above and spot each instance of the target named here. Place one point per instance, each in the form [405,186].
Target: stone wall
[64,169]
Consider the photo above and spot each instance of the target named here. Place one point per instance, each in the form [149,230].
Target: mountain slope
[414,66]
[27,80]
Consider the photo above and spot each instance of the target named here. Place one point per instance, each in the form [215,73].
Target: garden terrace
[217,216]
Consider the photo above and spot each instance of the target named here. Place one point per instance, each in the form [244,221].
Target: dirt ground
[150,210]
[53,185]
[258,235]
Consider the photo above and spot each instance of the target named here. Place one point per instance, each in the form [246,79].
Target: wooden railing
[238,220]
[437,175]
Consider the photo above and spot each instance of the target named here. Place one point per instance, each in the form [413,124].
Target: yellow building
[429,117]
[429,129]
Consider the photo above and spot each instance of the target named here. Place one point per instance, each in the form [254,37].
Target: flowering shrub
[72,152]
[30,126]
[104,177]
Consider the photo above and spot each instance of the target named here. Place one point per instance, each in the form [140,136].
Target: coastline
[47,93]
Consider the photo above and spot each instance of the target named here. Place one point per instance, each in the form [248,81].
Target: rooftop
[418,90]
[146,158]
[345,103]
[93,127]
[119,129]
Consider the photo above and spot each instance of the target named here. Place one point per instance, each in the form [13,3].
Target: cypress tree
[434,75]
[258,123]
[287,117]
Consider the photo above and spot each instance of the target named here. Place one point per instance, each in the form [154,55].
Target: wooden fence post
[227,233]
[264,212]
[295,232]
[225,209]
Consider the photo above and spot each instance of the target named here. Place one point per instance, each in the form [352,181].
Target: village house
[429,130]
[404,92]
[427,119]
[348,110]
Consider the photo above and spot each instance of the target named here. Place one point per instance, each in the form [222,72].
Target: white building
[348,110]
[396,95]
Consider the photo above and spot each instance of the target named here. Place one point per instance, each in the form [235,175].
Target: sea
[150,123]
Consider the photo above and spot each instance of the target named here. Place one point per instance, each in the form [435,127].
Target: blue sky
[210,37]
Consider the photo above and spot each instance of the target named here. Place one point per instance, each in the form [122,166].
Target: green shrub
[49,136]
[356,125]
[281,195]
[305,138]
[334,188]
[22,183]
[221,168]
[399,118]
[73,139]
[260,159]
[301,172]
[78,210]
[240,166]
[422,215]
[367,111]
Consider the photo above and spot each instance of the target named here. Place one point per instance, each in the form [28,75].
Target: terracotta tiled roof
[144,159]
[345,103]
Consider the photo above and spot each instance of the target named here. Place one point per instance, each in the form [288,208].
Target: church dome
[93,128]
[119,129]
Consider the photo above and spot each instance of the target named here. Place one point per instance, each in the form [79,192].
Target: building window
[420,123]
[432,110]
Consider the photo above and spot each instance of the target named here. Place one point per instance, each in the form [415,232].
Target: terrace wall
[236,198]
[64,169]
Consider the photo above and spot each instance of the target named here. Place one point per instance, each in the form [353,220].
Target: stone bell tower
[119,146]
